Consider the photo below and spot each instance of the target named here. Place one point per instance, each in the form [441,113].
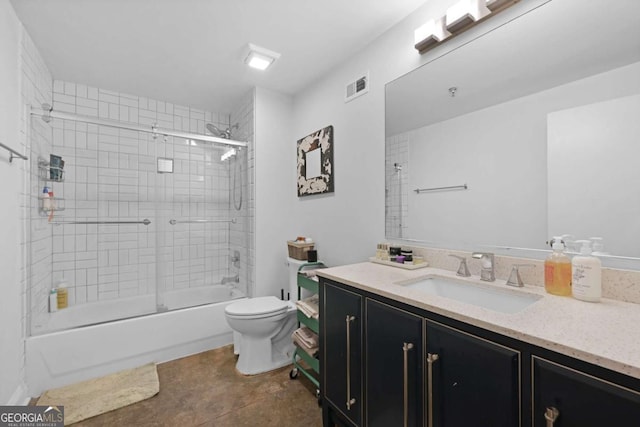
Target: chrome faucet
[463,270]
[487,264]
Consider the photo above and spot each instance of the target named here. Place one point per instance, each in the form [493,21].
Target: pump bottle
[586,275]
[557,271]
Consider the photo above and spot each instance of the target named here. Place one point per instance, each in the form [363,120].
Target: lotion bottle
[586,275]
[557,271]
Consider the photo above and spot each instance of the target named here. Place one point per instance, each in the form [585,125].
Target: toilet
[263,326]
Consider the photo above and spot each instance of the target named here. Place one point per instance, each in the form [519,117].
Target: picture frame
[315,163]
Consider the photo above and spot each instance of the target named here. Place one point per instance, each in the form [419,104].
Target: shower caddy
[311,323]
[47,176]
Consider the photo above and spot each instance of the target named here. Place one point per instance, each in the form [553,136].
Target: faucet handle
[463,270]
[514,278]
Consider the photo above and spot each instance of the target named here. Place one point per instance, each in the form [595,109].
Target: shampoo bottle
[46,200]
[63,298]
[557,271]
[587,275]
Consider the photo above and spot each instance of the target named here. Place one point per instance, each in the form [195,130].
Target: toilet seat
[257,307]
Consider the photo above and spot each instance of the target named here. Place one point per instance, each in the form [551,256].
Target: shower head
[226,134]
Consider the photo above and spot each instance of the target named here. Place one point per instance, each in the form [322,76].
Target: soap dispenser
[557,271]
[587,275]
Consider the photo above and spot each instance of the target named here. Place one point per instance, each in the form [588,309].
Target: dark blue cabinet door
[394,366]
[580,399]
[475,382]
[342,351]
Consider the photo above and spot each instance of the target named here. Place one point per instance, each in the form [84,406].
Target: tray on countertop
[398,265]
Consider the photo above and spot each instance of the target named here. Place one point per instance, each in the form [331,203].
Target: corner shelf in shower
[57,204]
[47,176]
[49,173]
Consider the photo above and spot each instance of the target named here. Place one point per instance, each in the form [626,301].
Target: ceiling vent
[358,87]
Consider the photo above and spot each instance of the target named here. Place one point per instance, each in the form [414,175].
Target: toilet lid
[257,306]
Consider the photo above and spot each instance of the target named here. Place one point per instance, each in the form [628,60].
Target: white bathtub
[68,356]
[93,313]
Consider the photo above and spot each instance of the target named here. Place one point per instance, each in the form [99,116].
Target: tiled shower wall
[396,185]
[242,233]
[36,89]
[110,175]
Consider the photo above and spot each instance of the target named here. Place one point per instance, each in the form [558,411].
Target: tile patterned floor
[206,390]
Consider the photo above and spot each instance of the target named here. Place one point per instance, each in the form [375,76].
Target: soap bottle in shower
[46,200]
[63,297]
[53,301]
[557,271]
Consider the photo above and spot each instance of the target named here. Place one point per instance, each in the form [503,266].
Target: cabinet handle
[551,415]
[405,350]
[431,358]
[350,400]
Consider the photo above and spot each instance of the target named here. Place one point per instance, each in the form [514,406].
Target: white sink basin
[493,299]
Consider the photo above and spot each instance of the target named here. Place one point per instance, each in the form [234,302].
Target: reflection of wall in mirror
[396,185]
[593,154]
[501,153]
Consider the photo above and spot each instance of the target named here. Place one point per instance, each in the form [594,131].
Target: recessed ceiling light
[260,58]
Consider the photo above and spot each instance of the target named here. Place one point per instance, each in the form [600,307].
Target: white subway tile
[92,93]
[103,110]
[124,113]
[81,91]
[114,111]
[107,96]
[67,108]
[58,86]
[70,88]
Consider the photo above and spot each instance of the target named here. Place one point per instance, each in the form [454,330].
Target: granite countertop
[605,333]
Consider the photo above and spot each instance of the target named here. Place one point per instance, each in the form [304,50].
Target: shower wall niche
[114,265]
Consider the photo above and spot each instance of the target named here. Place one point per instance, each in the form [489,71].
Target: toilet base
[259,356]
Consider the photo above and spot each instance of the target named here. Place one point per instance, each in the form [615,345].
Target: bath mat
[94,397]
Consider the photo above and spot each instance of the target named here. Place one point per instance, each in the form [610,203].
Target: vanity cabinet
[341,355]
[416,371]
[394,366]
[386,363]
[471,381]
[565,397]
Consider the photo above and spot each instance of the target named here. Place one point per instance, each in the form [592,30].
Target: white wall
[11,178]
[348,223]
[593,184]
[275,187]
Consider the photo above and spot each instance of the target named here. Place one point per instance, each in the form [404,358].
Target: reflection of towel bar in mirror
[144,222]
[193,221]
[452,187]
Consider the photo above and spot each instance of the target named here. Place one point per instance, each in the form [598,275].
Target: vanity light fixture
[433,30]
[260,58]
[465,13]
[459,18]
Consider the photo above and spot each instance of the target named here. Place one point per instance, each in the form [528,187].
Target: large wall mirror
[531,130]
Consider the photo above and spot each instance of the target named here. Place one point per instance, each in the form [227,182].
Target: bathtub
[79,353]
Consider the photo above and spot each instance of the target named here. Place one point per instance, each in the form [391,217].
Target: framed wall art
[315,163]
